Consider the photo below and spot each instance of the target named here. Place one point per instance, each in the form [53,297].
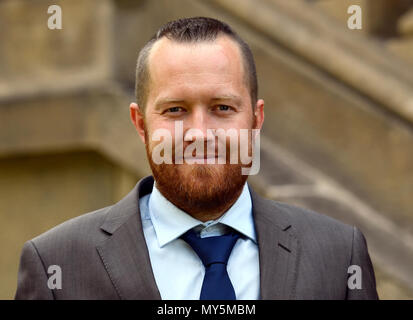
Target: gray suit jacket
[103,255]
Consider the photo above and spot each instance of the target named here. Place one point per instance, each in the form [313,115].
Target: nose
[196,125]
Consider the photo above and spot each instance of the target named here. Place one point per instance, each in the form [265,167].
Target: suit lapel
[125,254]
[127,262]
[278,250]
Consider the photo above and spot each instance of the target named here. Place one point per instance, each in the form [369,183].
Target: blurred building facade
[339,101]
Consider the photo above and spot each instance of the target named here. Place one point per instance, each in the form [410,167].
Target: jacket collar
[126,257]
[278,249]
[125,254]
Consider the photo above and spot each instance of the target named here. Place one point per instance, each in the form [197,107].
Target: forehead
[219,60]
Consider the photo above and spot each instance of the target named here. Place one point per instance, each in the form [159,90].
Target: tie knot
[212,249]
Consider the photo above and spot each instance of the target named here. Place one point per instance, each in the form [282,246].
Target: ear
[259,114]
[136,116]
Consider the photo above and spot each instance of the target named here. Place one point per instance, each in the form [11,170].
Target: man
[196,230]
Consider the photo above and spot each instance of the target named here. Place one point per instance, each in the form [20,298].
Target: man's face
[203,86]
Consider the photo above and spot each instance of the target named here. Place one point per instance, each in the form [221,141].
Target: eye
[223,107]
[174,109]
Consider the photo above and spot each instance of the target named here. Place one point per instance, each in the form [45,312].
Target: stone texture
[405,23]
[402,47]
[37,192]
[36,56]
[379,16]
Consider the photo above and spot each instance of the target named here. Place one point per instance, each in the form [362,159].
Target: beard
[205,191]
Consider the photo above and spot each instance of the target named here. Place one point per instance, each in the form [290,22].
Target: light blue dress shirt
[178,271]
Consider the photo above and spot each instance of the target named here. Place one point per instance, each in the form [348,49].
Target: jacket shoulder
[312,229]
[307,219]
[78,231]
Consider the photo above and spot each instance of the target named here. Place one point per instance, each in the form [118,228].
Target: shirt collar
[170,222]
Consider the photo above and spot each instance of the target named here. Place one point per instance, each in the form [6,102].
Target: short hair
[187,30]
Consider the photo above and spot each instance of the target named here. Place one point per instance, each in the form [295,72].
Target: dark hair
[195,29]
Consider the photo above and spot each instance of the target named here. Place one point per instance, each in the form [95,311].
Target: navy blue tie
[214,253]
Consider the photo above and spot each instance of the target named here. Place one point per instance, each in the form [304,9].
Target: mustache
[207,149]
[202,189]
[228,146]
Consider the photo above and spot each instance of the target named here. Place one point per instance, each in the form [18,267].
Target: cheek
[244,121]
[161,129]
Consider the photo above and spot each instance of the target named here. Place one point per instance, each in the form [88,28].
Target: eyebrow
[228,97]
[164,101]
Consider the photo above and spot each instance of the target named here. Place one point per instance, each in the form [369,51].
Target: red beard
[205,191]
